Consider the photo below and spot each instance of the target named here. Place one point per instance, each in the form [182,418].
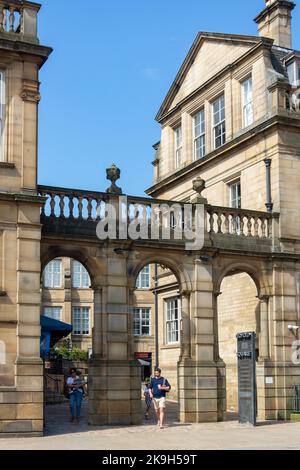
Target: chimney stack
[275,22]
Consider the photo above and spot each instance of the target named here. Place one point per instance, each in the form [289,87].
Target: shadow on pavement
[57,419]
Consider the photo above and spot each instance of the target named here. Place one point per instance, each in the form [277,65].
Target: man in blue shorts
[158,388]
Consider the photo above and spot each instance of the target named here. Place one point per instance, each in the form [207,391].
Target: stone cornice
[188,170]
[17,46]
[19,197]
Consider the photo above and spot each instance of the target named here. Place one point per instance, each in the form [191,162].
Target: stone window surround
[140,308]
[167,297]
[84,335]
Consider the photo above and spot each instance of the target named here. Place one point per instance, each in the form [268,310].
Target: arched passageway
[67,320]
[238,311]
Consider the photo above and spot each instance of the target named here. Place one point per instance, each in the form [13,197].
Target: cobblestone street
[60,434]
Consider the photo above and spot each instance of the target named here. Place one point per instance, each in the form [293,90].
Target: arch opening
[156,322]
[238,310]
[67,321]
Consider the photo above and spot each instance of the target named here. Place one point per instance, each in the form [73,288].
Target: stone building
[231,117]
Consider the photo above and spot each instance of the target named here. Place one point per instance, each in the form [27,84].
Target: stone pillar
[115,384]
[197,374]
[185,335]
[264,352]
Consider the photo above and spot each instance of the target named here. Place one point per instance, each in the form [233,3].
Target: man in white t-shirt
[75,387]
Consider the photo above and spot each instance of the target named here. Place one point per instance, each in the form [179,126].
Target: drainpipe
[269,204]
[156,315]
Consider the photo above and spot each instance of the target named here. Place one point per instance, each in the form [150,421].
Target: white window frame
[172,320]
[53,312]
[78,270]
[219,121]
[52,273]
[247,99]
[142,317]
[235,201]
[80,321]
[199,135]
[2,114]
[178,146]
[143,279]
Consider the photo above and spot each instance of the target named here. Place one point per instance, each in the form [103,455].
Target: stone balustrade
[239,222]
[19,18]
[63,203]
[70,211]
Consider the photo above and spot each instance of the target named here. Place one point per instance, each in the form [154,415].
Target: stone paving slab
[62,435]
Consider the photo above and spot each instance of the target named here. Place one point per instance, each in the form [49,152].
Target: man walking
[158,388]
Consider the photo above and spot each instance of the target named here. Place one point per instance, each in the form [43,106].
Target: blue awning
[49,325]
[51,332]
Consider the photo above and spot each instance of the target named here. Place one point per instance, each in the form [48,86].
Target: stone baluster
[249,226]
[22,21]
[98,209]
[211,221]
[11,19]
[80,207]
[71,207]
[242,223]
[89,208]
[219,222]
[270,229]
[2,13]
[62,206]
[4,18]
[256,227]
[264,227]
[43,213]
[233,224]
[226,223]
[52,204]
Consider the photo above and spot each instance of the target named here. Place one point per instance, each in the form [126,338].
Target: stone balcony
[70,213]
[18,20]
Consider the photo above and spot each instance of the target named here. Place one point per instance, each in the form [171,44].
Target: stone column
[185,335]
[198,382]
[99,325]
[115,383]
[264,352]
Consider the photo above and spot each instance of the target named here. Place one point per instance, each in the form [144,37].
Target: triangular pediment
[210,54]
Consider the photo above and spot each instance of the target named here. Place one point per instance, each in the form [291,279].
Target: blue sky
[113,63]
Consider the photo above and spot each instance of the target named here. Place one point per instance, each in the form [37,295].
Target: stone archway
[242,293]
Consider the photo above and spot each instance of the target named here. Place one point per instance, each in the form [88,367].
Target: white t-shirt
[70,381]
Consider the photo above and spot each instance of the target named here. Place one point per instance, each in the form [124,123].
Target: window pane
[143,280]
[199,135]
[173,315]
[52,274]
[141,321]
[247,102]
[81,320]
[219,121]
[178,146]
[53,312]
[80,276]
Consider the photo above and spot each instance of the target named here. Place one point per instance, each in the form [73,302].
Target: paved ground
[60,434]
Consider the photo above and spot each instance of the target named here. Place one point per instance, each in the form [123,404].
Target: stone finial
[113,174]
[198,187]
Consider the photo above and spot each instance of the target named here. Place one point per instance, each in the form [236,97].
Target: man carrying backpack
[158,388]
